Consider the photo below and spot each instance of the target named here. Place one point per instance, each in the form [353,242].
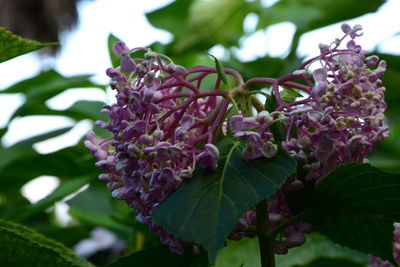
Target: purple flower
[120,48]
[209,156]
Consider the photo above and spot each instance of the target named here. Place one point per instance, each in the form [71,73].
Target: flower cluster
[339,121]
[162,125]
[342,119]
[164,122]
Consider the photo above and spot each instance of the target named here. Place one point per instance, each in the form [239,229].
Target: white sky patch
[268,3]
[279,38]
[25,127]
[218,51]
[69,97]
[379,29]
[68,139]
[18,69]
[9,103]
[86,49]
[274,42]
[39,188]
[250,22]
[253,46]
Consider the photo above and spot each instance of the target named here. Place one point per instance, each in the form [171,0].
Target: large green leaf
[69,236]
[50,83]
[96,207]
[356,207]
[68,163]
[167,18]
[331,262]
[160,256]
[318,247]
[12,46]
[246,252]
[96,218]
[207,207]
[312,14]
[59,193]
[24,147]
[80,110]
[189,22]
[96,198]
[21,246]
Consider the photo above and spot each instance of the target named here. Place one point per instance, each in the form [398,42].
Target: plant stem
[265,239]
[287,223]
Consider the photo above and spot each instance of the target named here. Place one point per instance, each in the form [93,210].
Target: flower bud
[127,64]
[120,48]
[150,54]
[323,48]
[269,150]
[346,28]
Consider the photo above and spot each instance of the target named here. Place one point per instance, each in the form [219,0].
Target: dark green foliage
[356,207]
[246,252]
[343,208]
[59,193]
[331,262]
[308,15]
[207,207]
[160,256]
[21,246]
[12,46]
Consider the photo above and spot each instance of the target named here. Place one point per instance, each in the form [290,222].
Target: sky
[85,51]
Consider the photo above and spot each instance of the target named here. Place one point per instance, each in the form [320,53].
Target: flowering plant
[201,162]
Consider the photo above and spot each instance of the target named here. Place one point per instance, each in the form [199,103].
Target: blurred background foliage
[196,26]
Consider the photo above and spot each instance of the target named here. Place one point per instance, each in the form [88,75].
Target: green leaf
[332,262]
[277,127]
[96,198]
[111,40]
[207,207]
[356,206]
[226,28]
[317,247]
[69,236]
[166,18]
[70,162]
[236,253]
[80,110]
[96,218]
[220,71]
[160,256]
[246,252]
[59,193]
[289,95]
[50,83]
[12,46]
[96,207]
[24,147]
[189,22]
[21,246]
[41,137]
[312,14]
